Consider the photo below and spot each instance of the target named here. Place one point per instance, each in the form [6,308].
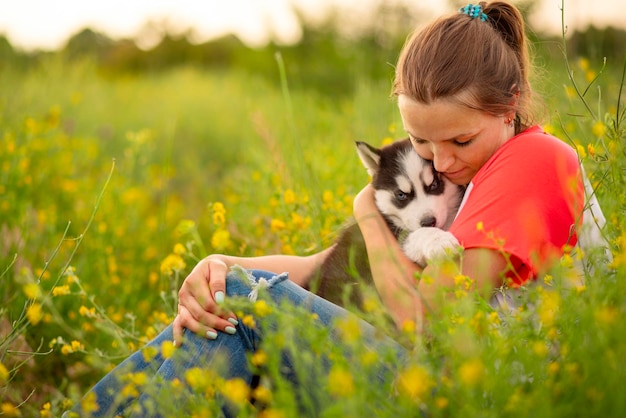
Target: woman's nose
[442,161]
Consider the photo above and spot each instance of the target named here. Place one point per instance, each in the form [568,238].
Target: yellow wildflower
[493,318]
[598,129]
[77,346]
[172,263]
[591,150]
[219,218]
[606,316]
[248,320]
[153,278]
[138,379]
[34,313]
[261,308]
[4,374]
[45,411]
[259,358]
[179,249]
[471,372]
[414,382]
[236,390]
[463,281]
[219,213]
[370,304]
[441,402]
[548,128]
[10,410]
[289,196]
[540,348]
[185,226]
[340,382]
[130,391]
[409,327]
[218,207]
[369,358]
[327,197]
[167,349]
[60,290]
[277,225]
[88,312]
[220,239]
[548,280]
[149,352]
[548,307]
[198,379]
[263,395]
[350,329]
[32,291]
[553,368]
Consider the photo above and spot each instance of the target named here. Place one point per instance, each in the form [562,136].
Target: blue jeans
[228,355]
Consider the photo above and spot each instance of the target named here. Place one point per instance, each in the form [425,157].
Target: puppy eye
[435,185]
[401,196]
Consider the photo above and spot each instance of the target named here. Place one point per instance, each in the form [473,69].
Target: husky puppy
[418,205]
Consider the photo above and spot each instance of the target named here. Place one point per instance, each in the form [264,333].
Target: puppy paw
[427,243]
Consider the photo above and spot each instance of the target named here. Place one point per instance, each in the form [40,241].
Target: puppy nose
[428,221]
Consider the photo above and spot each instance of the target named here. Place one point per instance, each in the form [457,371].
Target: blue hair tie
[475,11]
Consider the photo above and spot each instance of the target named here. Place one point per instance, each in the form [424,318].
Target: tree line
[322,59]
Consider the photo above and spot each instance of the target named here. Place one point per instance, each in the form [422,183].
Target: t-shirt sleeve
[524,202]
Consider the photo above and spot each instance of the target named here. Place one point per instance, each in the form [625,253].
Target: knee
[236,285]
[242,282]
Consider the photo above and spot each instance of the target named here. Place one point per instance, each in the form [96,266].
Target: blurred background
[151,35]
[161,131]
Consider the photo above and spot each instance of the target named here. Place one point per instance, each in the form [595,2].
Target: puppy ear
[370,157]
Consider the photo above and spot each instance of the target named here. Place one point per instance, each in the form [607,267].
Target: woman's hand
[199,301]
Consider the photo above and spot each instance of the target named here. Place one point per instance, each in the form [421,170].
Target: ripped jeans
[228,355]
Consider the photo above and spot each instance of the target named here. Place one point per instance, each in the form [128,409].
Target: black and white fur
[418,204]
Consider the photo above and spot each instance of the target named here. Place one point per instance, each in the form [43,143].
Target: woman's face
[458,140]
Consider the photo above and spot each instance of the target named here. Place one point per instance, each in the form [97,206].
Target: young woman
[464,98]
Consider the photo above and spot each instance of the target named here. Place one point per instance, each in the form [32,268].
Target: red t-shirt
[525,201]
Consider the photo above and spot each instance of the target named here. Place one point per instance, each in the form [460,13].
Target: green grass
[111,188]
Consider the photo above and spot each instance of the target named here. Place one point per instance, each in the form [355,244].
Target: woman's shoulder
[530,155]
[536,142]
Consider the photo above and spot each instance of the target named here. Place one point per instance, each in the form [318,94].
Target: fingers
[177,330]
[216,277]
[207,327]
[199,301]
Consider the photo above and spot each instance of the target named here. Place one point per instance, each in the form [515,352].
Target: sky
[45,24]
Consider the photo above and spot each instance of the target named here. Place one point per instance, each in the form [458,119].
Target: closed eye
[418,141]
[463,143]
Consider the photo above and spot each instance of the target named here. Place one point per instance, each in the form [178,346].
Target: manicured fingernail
[211,335]
[219,297]
[233,321]
[175,343]
[230,330]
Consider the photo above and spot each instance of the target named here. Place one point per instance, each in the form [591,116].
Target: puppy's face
[409,192]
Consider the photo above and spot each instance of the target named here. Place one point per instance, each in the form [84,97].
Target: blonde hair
[481,64]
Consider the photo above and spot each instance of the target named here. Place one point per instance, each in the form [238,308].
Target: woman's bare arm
[394,274]
[204,289]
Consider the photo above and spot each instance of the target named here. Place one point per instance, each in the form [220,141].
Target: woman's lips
[454,174]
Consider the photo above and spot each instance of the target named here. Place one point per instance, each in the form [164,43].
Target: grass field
[111,188]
